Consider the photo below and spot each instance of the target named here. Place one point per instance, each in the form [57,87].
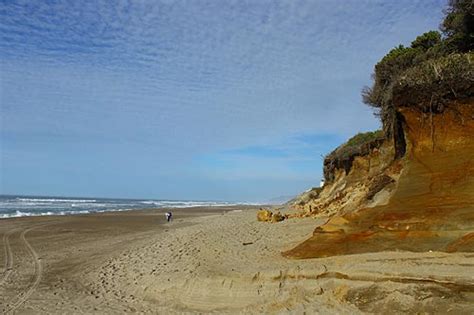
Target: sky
[196,100]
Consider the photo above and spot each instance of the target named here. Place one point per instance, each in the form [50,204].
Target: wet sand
[214,260]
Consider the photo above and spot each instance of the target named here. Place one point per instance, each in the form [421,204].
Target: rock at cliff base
[277,217]
[264,215]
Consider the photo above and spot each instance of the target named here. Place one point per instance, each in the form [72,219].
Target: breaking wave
[24,206]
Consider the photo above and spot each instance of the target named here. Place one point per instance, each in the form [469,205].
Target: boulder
[264,215]
[277,217]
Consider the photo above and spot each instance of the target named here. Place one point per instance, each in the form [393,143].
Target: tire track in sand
[37,276]
[8,256]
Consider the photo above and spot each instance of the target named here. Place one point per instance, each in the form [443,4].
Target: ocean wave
[30,205]
[43,200]
[19,213]
[75,212]
[22,206]
[100,205]
[189,204]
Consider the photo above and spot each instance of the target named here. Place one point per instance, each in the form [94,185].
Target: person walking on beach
[168,216]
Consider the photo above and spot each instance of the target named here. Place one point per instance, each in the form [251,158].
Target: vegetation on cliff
[343,156]
[424,95]
[434,70]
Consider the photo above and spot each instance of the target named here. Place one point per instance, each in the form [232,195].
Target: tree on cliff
[432,70]
[458,25]
[391,68]
[435,69]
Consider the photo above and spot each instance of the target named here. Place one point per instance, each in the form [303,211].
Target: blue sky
[227,100]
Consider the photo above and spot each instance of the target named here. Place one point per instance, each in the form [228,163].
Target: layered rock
[422,202]
[368,182]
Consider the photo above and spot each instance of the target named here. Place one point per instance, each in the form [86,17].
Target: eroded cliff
[421,202]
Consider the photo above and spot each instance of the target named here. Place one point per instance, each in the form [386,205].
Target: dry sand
[212,261]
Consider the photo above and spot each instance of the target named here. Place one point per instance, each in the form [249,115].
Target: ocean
[21,206]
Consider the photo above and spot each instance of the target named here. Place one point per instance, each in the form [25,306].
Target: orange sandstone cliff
[421,202]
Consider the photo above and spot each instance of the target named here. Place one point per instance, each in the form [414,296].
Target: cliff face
[422,202]
[369,181]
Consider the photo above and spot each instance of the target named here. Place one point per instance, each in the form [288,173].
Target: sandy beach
[317,156]
[214,260]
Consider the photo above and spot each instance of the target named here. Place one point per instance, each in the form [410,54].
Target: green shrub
[458,25]
[427,40]
[343,156]
[429,85]
[431,71]
[363,137]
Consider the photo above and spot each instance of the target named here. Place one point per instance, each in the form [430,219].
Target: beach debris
[247,243]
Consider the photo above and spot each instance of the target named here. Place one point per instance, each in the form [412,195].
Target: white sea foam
[149,202]
[24,214]
[191,204]
[74,212]
[100,205]
[22,206]
[55,200]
